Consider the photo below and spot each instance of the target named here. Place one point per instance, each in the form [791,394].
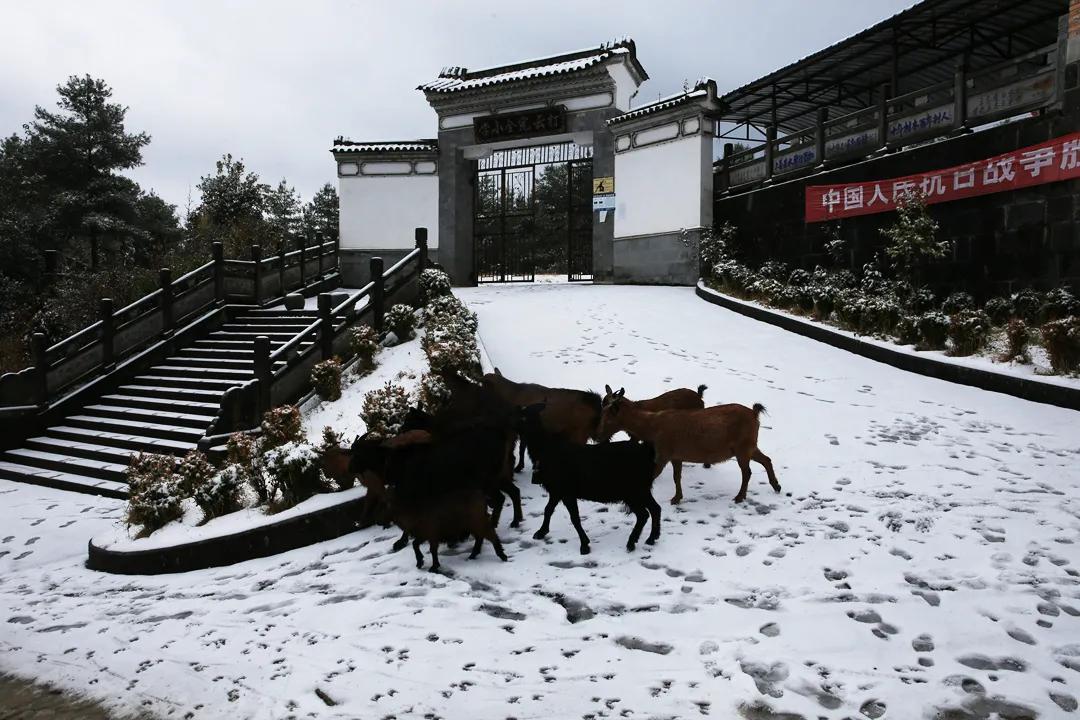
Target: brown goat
[678,399]
[573,414]
[711,435]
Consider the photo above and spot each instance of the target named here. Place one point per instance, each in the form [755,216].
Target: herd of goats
[437,479]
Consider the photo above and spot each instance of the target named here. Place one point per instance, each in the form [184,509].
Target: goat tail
[701,391]
[759,409]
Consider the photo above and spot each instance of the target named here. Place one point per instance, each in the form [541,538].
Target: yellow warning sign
[603,185]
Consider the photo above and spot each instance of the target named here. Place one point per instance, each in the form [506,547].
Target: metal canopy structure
[916,48]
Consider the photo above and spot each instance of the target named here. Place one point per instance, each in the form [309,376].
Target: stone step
[247,364]
[265,328]
[67,463]
[173,393]
[250,336]
[226,353]
[88,450]
[192,383]
[198,373]
[159,417]
[92,421]
[120,440]
[303,321]
[62,480]
[280,312]
[167,404]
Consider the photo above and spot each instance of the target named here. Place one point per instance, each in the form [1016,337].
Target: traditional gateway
[548,167]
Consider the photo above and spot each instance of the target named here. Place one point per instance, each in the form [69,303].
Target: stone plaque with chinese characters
[528,123]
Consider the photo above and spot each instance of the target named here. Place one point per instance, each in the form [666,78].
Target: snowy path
[923,560]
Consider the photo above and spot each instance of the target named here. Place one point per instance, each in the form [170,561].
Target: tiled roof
[705,88]
[341,145]
[455,79]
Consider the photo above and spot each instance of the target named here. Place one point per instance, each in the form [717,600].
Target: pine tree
[320,218]
[283,215]
[232,207]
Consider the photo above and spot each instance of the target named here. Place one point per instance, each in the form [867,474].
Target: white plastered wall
[382,212]
[659,188]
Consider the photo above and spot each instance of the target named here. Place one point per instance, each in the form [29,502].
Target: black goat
[618,472]
[436,489]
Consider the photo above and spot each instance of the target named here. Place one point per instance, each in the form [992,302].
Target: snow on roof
[454,79]
[342,145]
[704,88]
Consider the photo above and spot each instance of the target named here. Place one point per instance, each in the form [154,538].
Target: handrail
[396,266]
[296,340]
[901,99]
[347,305]
[89,329]
[145,299]
[186,276]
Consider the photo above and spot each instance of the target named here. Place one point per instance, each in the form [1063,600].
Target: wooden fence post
[218,252]
[326,327]
[421,245]
[377,290]
[167,320]
[39,353]
[262,372]
[108,334]
[770,151]
[256,256]
[883,117]
[819,136]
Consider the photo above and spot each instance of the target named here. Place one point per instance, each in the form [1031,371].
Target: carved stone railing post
[326,327]
[377,291]
[421,245]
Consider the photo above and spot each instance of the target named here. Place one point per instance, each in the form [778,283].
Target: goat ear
[498,372]
[607,389]
[622,392]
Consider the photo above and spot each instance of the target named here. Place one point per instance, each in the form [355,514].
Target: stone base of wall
[355,265]
[661,259]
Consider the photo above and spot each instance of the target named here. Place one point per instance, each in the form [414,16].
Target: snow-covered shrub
[1026,304]
[364,343]
[879,315]
[449,308]
[998,309]
[294,471]
[873,280]
[956,302]
[733,275]
[243,456]
[1059,303]
[968,330]
[384,410]
[1061,338]
[850,304]
[933,330]
[835,246]
[1017,337]
[326,379]
[222,493]
[399,319]
[824,300]
[281,425]
[154,499]
[433,394]
[433,283]
[798,277]
[804,298]
[907,330]
[774,270]
[452,348]
[330,439]
[911,241]
[920,300]
[193,471]
[844,279]
[764,288]
[715,246]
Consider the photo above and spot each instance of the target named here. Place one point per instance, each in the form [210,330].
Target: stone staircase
[166,409]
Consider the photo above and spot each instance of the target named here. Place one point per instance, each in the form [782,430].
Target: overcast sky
[274,82]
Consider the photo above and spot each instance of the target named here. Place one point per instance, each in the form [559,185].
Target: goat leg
[642,515]
[540,534]
[744,465]
[419,555]
[400,542]
[572,508]
[763,460]
[654,511]
[497,500]
[521,460]
[515,499]
[433,545]
[676,471]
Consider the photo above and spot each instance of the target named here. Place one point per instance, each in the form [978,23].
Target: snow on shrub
[1059,303]
[933,330]
[451,347]
[294,472]
[222,493]
[998,310]
[849,308]
[1026,304]
[281,425]
[798,277]
[907,330]
[824,300]
[433,394]
[330,439]
[956,302]
[400,320]
[154,499]
[716,245]
[364,343]
[968,331]
[1017,337]
[326,379]
[448,309]
[193,471]
[879,315]
[1061,338]
[774,270]
[384,410]
[433,283]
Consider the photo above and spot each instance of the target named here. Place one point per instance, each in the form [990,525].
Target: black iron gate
[508,227]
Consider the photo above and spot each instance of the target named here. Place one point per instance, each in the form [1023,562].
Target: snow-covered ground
[921,558]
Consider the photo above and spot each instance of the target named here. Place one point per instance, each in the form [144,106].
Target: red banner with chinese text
[1048,162]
